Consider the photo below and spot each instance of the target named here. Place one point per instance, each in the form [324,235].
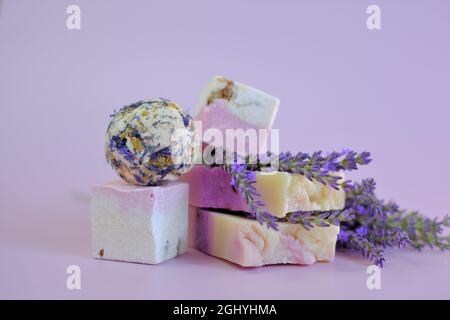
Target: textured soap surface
[282,192]
[247,243]
[143,139]
[226,104]
[137,223]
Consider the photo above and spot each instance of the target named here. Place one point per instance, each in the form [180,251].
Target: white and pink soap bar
[250,244]
[137,223]
[226,104]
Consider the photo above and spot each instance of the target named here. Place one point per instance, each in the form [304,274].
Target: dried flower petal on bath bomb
[150,142]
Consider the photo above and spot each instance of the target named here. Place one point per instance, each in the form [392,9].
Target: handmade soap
[281,192]
[247,243]
[227,104]
[150,142]
[137,223]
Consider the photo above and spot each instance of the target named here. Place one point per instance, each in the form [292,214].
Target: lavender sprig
[383,224]
[368,224]
[310,219]
[422,231]
[243,180]
[323,168]
[356,241]
[315,167]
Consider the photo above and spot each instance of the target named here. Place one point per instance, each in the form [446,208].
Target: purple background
[340,85]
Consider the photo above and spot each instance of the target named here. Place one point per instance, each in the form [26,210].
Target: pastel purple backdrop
[340,85]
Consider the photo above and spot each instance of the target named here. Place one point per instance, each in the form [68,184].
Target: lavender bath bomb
[150,142]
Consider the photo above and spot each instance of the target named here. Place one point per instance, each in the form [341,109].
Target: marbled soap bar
[247,243]
[226,104]
[281,192]
[138,223]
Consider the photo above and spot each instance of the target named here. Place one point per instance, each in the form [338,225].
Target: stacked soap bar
[218,224]
[249,244]
[227,234]
[281,192]
[227,104]
[138,223]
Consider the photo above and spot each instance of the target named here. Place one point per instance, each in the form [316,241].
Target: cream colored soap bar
[139,223]
[281,192]
[284,192]
[247,243]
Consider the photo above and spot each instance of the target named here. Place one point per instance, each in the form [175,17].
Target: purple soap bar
[210,188]
[281,192]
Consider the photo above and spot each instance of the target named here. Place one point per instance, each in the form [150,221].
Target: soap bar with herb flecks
[226,104]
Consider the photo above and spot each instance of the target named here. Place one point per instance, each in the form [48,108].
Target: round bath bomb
[150,142]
